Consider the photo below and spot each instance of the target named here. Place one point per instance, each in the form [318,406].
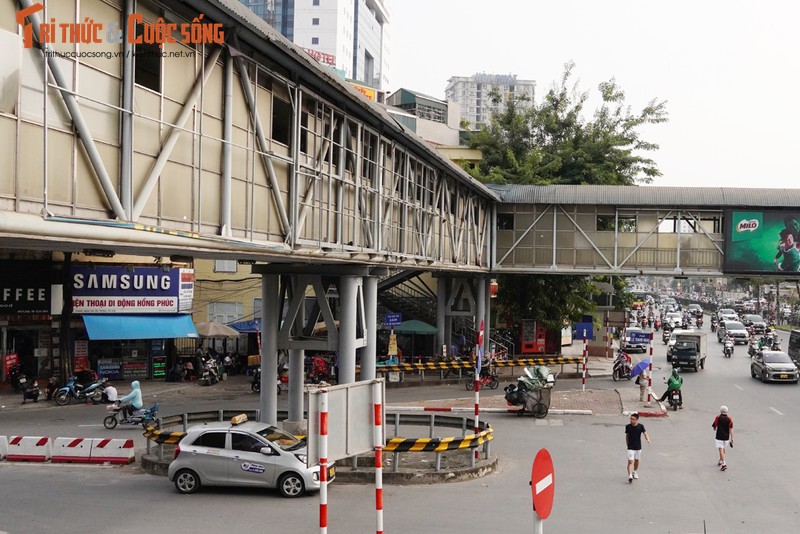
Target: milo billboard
[762,242]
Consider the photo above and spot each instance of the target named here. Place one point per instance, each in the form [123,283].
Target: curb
[661,413]
[464,409]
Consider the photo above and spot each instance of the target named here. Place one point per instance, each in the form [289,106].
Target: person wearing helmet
[674,383]
[135,398]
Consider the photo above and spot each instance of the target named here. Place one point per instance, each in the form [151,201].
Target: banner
[9,360]
[24,288]
[392,345]
[762,242]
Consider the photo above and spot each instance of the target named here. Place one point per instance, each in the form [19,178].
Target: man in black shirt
[723,424]
[633,438]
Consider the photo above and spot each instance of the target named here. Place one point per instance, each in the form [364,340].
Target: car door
[207,456]
[758,364]
[248,466]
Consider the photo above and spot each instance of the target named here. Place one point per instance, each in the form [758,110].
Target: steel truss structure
[587,239]
[263,157]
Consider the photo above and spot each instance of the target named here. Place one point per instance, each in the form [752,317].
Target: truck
[690,350]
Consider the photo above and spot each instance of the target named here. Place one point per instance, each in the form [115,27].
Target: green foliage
[548,141]
[548,298]
[623,299]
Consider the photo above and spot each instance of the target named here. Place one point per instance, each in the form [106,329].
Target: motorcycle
[727,348]
[713,325]
[255,384]
[17,378]
[666,335]
[622,367]
[699,322]
[776,344]
[31,392]
[75,390]
[674,399]
[209,376]
[489,380]
[144,416]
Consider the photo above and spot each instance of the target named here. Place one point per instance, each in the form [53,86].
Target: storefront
[28,335]
[132,316]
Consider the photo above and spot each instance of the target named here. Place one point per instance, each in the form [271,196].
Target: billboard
[762,242]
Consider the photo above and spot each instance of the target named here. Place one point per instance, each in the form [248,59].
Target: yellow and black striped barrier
[439,444]
[162,437]
[444,366]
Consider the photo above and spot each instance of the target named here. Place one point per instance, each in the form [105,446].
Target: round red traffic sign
[543,481]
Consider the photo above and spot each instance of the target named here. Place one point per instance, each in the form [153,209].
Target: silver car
[241,453]
[773,366]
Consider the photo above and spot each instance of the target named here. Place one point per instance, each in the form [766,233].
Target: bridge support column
[348,299]
[370,350]
[441,317]
[271,319]
[295,423]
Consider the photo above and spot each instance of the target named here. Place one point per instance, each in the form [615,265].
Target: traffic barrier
[113,451]
[439,444]
[72,450]
[29,449]
[444,366]
[162,437]
[3,447]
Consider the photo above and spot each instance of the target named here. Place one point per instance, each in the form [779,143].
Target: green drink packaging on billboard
[763,242]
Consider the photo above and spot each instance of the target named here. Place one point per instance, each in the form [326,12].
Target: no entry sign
[543,481]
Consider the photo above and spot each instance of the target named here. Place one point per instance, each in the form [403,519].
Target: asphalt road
[680,490]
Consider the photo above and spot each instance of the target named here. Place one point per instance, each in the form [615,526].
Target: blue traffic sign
[393,319]
[639,337]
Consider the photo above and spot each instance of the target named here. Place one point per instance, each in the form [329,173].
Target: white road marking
[543,484]
[84,426]
[774,410]
[737,386]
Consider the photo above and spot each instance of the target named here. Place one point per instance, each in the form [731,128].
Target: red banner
[8,361]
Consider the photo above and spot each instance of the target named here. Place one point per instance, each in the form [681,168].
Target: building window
[225,266]
[315,21]
[257,309]
[608,223]
[225,312]
[505,221]
[147,63]
[315,40]
[281,120]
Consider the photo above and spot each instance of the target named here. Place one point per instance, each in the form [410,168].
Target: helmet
[674,372]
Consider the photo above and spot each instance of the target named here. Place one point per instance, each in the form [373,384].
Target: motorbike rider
[674,384]
[135,398]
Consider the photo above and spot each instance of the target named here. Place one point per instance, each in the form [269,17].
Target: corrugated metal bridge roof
[651,196]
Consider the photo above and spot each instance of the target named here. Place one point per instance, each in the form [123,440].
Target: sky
[729,70]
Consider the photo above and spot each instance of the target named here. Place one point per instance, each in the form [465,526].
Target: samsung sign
[104,289]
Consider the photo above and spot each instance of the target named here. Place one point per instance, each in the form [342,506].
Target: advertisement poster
[24,288]
[9,360]
[762,242]
[186,293]
[118,289]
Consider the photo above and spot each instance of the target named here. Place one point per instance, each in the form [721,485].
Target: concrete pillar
[270,323]
[295,422]
[369,353]
[441,317]
[348,292]
[480,309]
[448,319]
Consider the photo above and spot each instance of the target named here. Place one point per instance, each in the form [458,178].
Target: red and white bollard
[323,462]
[477,407]
[650,372]
[585,355]
[378,441]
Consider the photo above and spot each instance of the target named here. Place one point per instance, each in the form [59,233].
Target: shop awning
[139,326]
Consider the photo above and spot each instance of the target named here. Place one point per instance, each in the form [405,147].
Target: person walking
[723,424]
[633,438]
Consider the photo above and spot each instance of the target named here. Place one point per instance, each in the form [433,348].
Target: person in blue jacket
[135,398]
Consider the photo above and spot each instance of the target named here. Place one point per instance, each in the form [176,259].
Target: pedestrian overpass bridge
[245,148]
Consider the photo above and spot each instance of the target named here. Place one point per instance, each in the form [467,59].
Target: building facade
[351,36]
[474,94]
[436,121]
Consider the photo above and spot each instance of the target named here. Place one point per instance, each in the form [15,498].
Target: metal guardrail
[468,441]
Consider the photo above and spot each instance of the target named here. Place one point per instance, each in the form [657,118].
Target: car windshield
[776,357]
[754,318]
[727,311]
[694,306]
[284,440]
[683,347]
[733,325]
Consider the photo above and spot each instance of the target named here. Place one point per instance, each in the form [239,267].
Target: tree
[549,142]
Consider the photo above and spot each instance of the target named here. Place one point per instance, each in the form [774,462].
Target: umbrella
[640,367]
[212,329]
[414,327]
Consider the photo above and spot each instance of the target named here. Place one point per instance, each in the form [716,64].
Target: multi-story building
[473,93]
[435,120]
[349,35]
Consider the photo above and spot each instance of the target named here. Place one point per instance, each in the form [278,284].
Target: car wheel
[187,481]
[291,485]
[703,363]
[752,372]
[764,376]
